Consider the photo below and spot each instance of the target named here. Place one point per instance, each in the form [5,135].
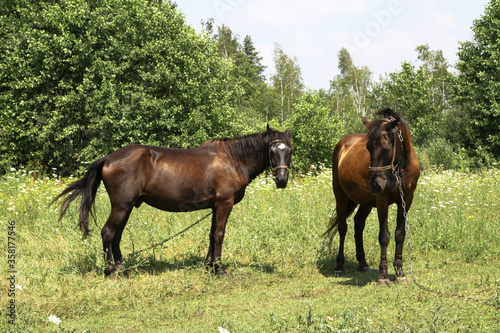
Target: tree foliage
[478,83]
[286,81]
[350,91]
[79,79]
[410,91]
[246,76]
[316,131]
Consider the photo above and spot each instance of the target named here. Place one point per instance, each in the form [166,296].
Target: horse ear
[269,131]
[365,121]
[288,133]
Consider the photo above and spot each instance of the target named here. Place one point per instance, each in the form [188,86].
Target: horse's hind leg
[111,236]
[343,209]
[359,227]
[342,228]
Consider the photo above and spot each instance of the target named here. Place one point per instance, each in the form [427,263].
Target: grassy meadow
[281,271]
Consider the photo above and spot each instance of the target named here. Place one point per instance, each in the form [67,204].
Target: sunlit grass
[281,269]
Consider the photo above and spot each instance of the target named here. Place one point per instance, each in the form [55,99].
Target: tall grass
[281,271]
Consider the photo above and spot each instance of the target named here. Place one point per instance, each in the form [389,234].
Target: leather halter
[270,163]
[391,166]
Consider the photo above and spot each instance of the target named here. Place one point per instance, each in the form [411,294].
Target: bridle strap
[393,130]
[279,167]
[391,166]
[273,169]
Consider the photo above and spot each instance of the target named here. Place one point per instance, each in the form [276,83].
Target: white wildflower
[54,319]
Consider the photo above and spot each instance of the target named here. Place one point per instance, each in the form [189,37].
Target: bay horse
[375,169]
[213,175]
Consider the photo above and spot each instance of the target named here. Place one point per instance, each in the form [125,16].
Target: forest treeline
[79,79]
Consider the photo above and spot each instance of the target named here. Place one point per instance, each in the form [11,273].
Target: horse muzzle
[378,183]
[281,177]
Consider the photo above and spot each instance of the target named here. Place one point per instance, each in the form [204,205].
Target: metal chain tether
[410,267]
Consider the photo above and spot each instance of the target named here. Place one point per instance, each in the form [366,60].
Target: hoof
[216,270]
[110,270]
[339,273]
[115,273]
[364,269]
[123,273]
[383,282]
[400,280]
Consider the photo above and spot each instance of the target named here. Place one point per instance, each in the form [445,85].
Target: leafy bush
[315,132]
[79,79]
[440,153]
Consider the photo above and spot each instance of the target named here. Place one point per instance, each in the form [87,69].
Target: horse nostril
[281,182]
[376,188]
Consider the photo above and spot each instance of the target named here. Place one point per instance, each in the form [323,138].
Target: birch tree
[287,81]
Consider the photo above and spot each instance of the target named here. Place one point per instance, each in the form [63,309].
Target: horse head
[280,155]
[385,151]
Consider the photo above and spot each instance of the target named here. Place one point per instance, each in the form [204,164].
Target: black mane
[242,148]
[375,126]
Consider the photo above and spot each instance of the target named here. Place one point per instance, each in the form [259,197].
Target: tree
[246,78]
[409,91]
[287,81]
[478,83]
[255,88]
[315,132]
[436,66]
[349,92]
[256,69]
[79,79]
[357,81]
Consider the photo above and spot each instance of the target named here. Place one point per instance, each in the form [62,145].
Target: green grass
[281,269]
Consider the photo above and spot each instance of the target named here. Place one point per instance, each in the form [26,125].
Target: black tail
[333,225]
[86,188]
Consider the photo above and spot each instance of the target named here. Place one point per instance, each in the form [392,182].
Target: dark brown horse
[213,175]
[375,169]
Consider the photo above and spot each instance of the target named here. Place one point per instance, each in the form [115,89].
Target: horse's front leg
[383,238]
[219,219]
[400,238]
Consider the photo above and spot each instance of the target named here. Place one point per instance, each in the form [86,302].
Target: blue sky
[379,34]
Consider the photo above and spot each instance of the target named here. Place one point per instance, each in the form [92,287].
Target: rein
[171,237]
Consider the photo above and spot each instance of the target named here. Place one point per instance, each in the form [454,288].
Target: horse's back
[165,178]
